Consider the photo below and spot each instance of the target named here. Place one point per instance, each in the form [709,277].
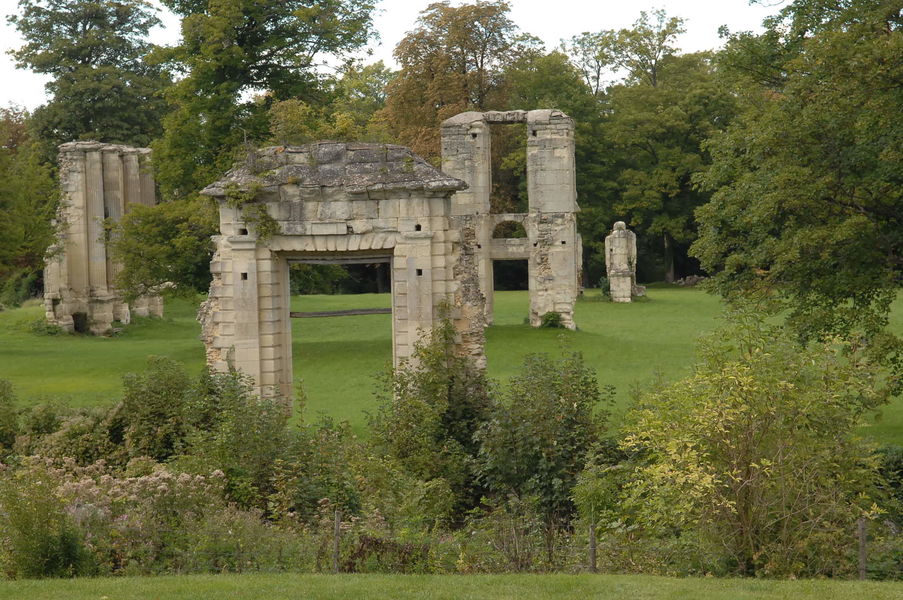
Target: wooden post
[336,533]
[861,534]
[592,547]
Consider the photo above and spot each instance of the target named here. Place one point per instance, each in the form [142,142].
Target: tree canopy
[95,51]
[807,183]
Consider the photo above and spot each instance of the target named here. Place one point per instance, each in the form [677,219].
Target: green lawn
[438,587]
[628,345]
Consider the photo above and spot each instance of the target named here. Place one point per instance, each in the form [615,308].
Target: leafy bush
[536,440]
[755,456]
[430,408]
[41,326]
[9,425]
[552,320]
[37,537]
[153,409]
[18,288]
[232,430]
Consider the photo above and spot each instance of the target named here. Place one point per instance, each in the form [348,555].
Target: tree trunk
[669,259]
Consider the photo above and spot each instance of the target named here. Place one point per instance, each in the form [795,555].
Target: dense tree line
[659,133]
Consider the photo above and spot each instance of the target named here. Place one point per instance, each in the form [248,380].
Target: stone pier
[98,181]
[552,248]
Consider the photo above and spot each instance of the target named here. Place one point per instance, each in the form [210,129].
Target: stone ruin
[98,181]
[333,202]
[620,264]
[552,248]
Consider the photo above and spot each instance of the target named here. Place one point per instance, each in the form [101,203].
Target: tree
[658,134]
[593,55]
[102,88]
[449,64]
[755,457]
[28,199]
[641,50]
[807,184]
[231,50]
[536,441]
[165,244]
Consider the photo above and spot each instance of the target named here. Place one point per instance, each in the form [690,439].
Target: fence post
[336,533]
[592,547]
[861,534]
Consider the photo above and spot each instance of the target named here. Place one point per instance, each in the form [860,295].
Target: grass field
[450,587]
[628,345]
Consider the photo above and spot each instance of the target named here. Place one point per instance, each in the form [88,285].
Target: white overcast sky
[551,20]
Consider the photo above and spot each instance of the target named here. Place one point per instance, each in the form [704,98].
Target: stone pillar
[98,181]
[467,155]
[552,191]
[620,263]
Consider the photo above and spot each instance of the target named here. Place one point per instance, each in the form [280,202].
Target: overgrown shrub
[9,422]
[536,440]
[233,430]
[430,408]
[153,409]
[37,537]
[755,457]
[552,320]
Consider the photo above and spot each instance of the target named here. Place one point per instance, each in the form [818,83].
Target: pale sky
[550,20]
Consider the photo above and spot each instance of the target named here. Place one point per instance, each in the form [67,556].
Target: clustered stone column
[552,248]
[98,181]
[620,264]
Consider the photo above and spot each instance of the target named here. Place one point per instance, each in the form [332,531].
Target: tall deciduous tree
[27,204]
[450,63]
[94,50]
[658,132]
[230,51]
[808,182]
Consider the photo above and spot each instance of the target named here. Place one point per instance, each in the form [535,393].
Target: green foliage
[153,409]
[315,468]
[450,63]
[28,200]
[806,195]
[9,422]
[165,244]
[38,538]
[317,279]
[94,51]
[536,440]
[755,456]
[552,320]
[235,432]
[230,48]
[430,407]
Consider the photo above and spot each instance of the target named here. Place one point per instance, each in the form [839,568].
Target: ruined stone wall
[552,247]
[336,202]
[98,181]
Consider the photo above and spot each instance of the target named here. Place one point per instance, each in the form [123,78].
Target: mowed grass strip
[442,587]
[337,358]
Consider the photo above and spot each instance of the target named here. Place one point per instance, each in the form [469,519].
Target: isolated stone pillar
[98,182]
[620,263]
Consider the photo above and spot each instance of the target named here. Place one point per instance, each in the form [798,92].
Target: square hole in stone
[244,276]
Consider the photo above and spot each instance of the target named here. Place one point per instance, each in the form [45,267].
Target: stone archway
[335,200]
